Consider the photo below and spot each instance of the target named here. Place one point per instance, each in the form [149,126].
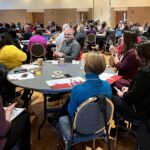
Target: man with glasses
[70,48]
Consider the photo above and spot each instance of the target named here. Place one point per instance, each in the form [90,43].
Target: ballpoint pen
[8,104]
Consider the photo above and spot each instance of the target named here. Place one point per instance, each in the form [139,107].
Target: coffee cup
[57,74]
[61,61]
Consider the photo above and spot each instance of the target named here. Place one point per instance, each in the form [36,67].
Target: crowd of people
[130,95]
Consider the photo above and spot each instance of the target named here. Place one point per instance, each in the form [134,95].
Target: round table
[38,83]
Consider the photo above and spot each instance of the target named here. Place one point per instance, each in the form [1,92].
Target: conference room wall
[37,16]
[60,16]
[45,4]
[139,14]
[13,16]
[129,3]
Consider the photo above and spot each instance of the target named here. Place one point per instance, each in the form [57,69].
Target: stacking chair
[91,122]
[90,41]
[129,128]
[111,40]
[37,50]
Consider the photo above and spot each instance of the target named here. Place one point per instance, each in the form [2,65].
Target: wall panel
[13,16]
[60,16]
[139,14]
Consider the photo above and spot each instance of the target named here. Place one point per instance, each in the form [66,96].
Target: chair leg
[83,145]
[116,134]
[94,147]
[67,146]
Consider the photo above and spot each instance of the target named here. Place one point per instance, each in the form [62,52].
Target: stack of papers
[21,76]
[76,62]
[64,83]
[111,78]
[105,76]
[54,61]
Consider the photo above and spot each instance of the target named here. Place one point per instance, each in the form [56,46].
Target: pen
[8,104]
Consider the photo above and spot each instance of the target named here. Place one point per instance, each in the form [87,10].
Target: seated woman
[94,65]
[134,102]
[11,57]
[17,130]
[127,64]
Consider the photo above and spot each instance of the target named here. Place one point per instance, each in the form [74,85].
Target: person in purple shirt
[91,29]
[11,131]
[37,38]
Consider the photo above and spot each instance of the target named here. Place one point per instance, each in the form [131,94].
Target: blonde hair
[94,62]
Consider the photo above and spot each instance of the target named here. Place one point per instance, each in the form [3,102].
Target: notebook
[65,82]
[16,112]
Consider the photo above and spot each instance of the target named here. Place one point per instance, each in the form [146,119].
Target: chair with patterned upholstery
[91,122]
[37,50]
[91,41]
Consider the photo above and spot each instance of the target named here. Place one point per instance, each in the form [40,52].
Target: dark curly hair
[5,39]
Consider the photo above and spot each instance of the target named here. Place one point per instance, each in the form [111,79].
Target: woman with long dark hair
[127,64]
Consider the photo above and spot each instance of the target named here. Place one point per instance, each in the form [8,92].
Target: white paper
[18,76]
[105,76]
[75,62]
[70,81]
[29,66]
[16,112]
[54,61]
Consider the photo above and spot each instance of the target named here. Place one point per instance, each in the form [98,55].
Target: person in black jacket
[134,102]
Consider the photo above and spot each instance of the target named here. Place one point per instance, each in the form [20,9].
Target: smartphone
[67,75]
[20,70]
[24,75]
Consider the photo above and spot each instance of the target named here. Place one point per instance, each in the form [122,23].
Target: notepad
[111,78]
[20,76]
[16,112]
[64,83]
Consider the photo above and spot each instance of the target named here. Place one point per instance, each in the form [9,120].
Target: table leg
[45,116]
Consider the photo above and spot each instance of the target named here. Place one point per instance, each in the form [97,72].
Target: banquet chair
[95,125]
[111,40]
[91,41]
[37,50]
[131,127]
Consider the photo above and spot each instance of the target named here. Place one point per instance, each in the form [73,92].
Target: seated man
[70,48]
[60,38]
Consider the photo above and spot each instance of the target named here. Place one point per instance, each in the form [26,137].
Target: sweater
[4,126]
[11,56]
[91,87]
[139,93]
